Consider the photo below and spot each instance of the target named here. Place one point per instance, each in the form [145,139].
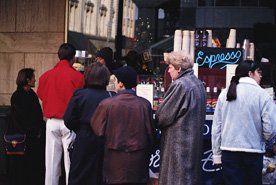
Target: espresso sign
[217,58]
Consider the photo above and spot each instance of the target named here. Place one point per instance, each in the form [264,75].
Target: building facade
[93,24]
[30,33]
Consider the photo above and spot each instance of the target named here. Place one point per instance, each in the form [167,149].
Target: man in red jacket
[55,89]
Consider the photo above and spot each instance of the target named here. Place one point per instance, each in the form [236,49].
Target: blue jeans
[242,168]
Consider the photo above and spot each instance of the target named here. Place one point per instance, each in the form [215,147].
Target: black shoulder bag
[14,138]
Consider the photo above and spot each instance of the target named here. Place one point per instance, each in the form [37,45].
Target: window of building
[244,3]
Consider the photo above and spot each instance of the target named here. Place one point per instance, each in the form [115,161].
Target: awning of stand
[89,43]
[79,40]
[165,45]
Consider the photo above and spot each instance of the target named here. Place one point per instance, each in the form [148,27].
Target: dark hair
[66,51]
[127,75]
[96,75]
[106,53]
[242,70]
[23,75]
[133,59]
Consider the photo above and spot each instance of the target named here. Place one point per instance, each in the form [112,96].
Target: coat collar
[189,71]
[248,80]
[63,63]
[127,91]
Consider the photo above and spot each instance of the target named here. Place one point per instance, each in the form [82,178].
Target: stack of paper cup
[166,56]
[231,41]
[192,44]
[264,60]
[227,43]
[245,47]
[177,40]
[186,41]
[83,54]
[210,37]
[78,53]
[251,51]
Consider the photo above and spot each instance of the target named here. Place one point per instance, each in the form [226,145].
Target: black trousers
[242,168]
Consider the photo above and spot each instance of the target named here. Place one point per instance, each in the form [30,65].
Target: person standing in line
[243,121]
[56,86]
[105,56]
[133,59]
[27,113]
[125,122]
[86,156]
[181,118]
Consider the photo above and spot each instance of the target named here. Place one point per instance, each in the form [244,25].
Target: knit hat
[127,75]
[107,54]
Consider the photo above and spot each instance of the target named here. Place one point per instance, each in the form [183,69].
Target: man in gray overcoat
[181,118]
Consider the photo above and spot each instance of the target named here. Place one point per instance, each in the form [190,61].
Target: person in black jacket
[27,116]
[86,156]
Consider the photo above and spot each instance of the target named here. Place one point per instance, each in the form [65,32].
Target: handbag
[14,138]
[15,144]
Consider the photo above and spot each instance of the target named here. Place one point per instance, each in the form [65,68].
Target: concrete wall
[30,34]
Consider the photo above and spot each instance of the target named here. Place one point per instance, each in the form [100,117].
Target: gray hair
[180,59]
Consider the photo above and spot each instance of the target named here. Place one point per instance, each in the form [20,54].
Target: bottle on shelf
[214,98]
[155,94]
[208,101]
[162,91]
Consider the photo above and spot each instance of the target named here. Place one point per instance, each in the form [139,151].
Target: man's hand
[218,166]
[270,168]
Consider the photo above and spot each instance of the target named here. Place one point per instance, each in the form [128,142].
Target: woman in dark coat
[86,157]
[27,117]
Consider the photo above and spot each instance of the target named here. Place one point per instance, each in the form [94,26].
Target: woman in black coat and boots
[26,114]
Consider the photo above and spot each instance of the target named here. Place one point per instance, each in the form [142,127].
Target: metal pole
[119,36]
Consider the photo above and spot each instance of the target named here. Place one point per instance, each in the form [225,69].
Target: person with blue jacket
[86,156]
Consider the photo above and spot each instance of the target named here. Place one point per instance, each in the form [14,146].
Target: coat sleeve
[99,119]
[38,117]
[72,115]
[216,132]
[19,111]
[175,103]
[268,118]
[41,89]
[150,127]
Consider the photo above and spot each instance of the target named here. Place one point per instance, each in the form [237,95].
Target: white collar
[248,80]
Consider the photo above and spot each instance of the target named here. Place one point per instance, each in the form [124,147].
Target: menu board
[145,91]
